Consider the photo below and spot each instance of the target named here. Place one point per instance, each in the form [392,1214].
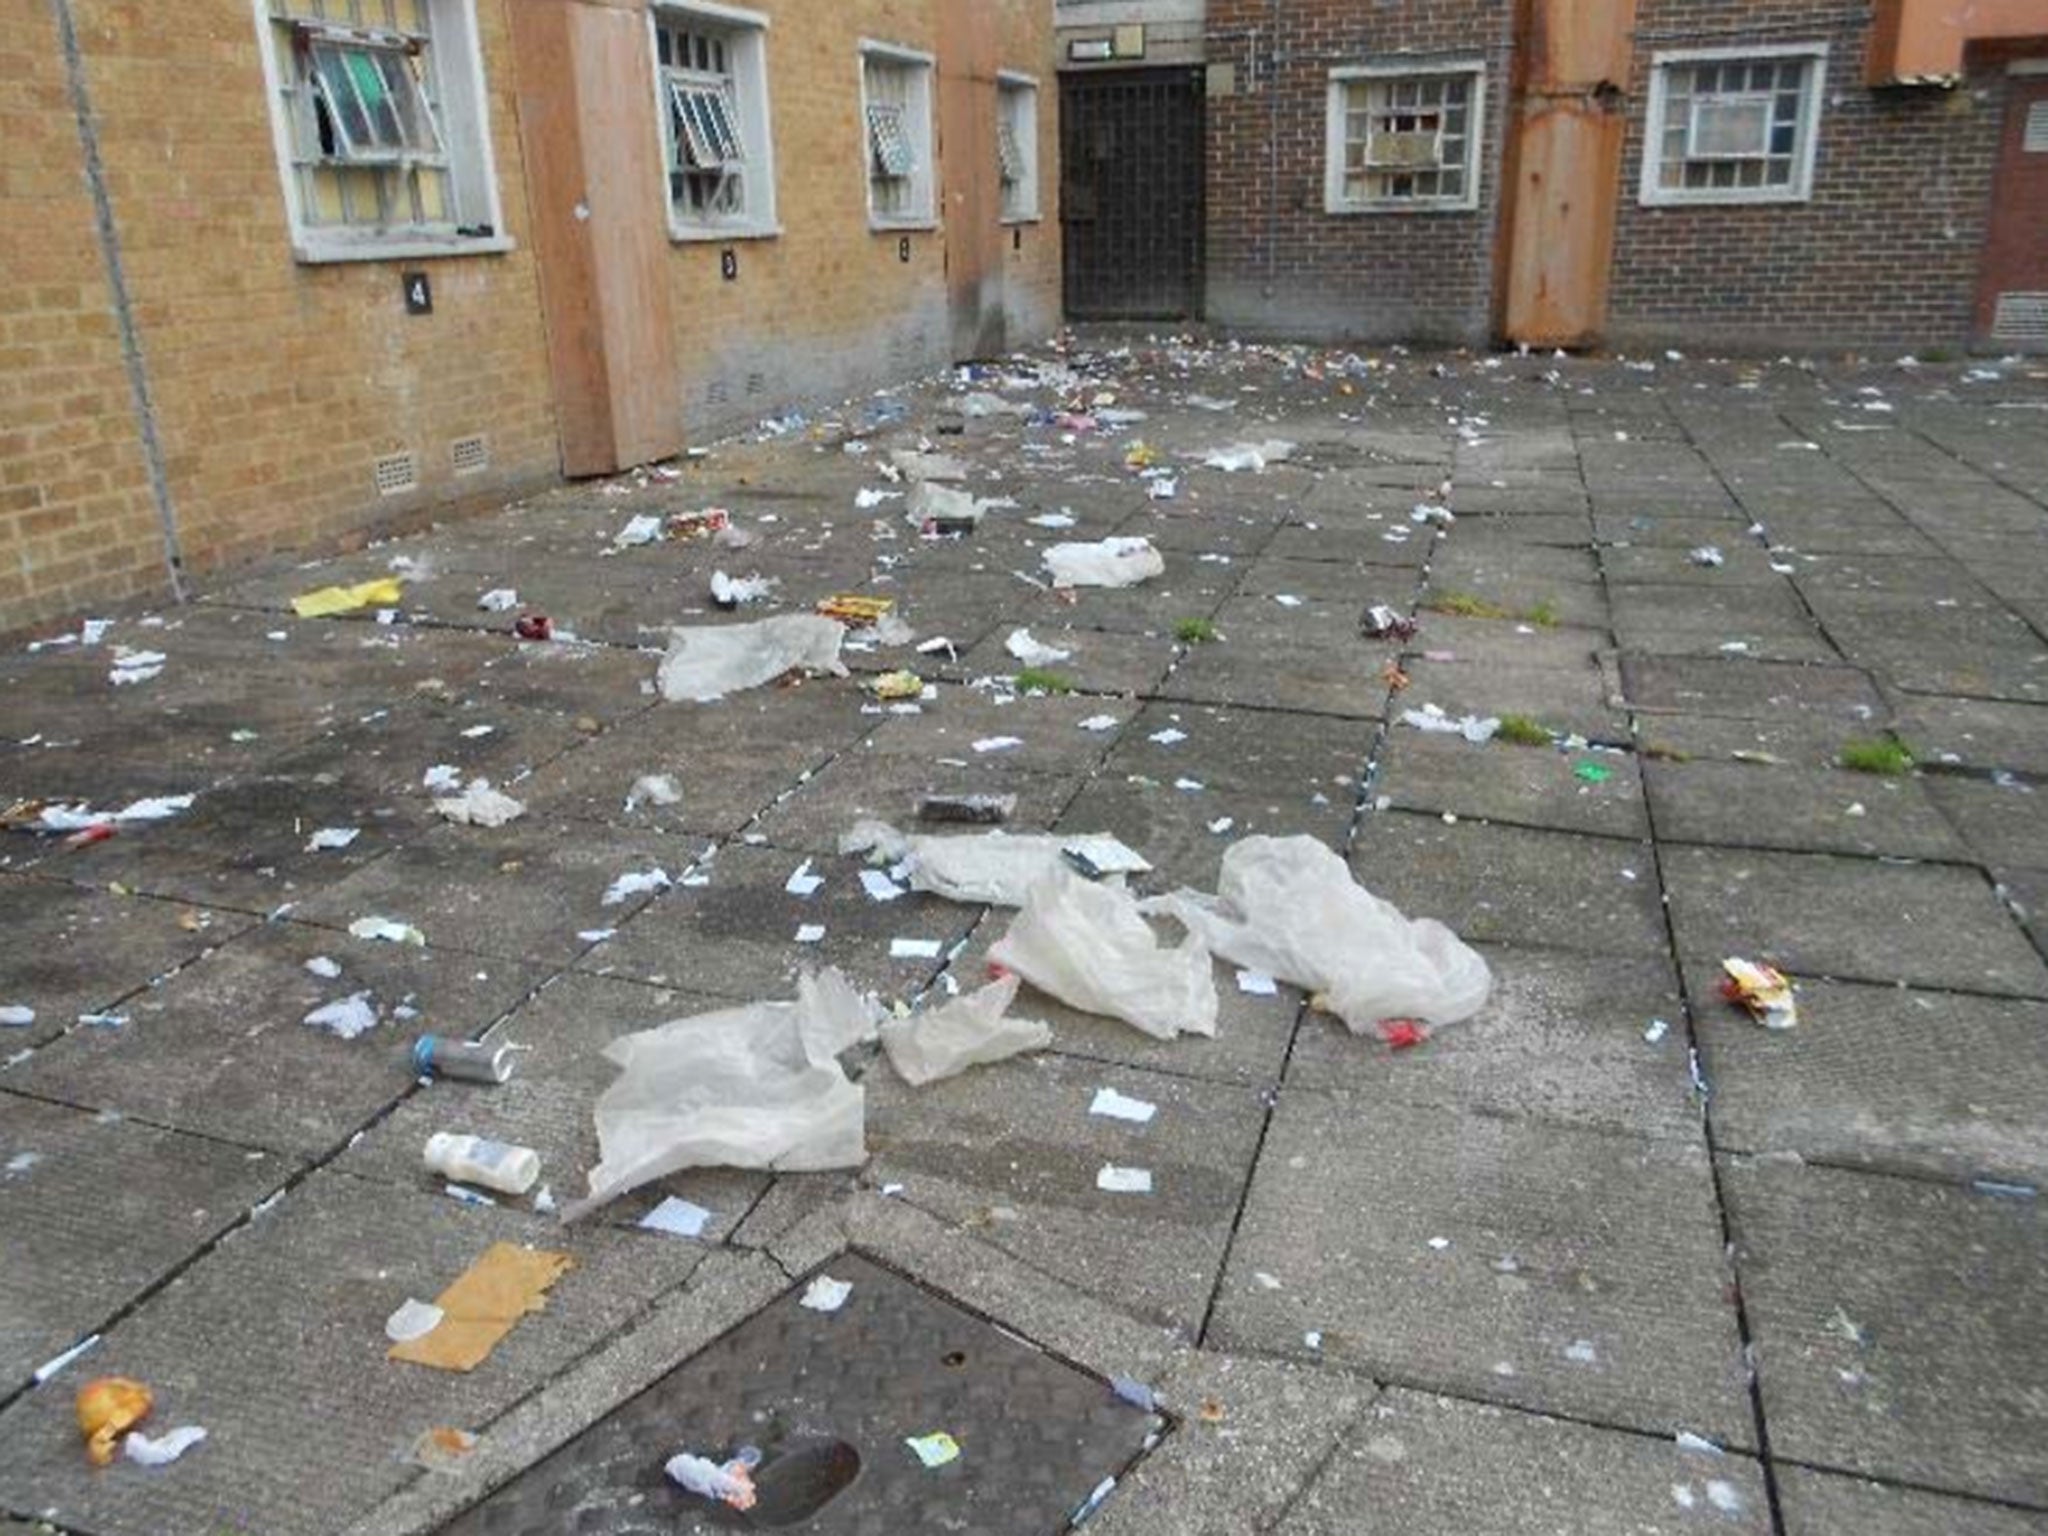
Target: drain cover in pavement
[830,1400]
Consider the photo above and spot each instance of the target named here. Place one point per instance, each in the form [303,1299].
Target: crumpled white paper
[480,806]
[709,661]
[1122,562]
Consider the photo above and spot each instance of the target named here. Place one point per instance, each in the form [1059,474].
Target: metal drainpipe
[1272,146]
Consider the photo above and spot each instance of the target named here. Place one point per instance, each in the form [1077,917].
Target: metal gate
[1131,193]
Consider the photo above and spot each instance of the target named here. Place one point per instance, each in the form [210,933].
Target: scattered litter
[346,1018]
[442,776]
[477,732]
[998,867]
[16,1016]
[440,1449]
[914,949]
[1222,824]
[1124,1181]
[1722,1495]
[327,601]
[708,662]
[1055,520]
[534,626]
[935,1449]
[1402,1034]
[387,930]
[1762,989]
[810,933]
[108,1407]
[1582,1352]
[677,1217]
[711,523]
[499,1165]
[1090,946]
[1119,562]
[1099,723]
[1706,555]
[653,789]
[802,882]
[1248,456]
[824,1294]
[644,529]
[1168,737]
[1425,512]
[1383,623]
[732,1483]
[328,838]
[879,886]
[78,816]
[135,666]
[1656,1031]
[413,1319]
[635,882]
[900,684]
[480,806]
[164,1449]
[472,1061]
[854,610]
[498,600]
[998,743]
[484,1304]
[1593,773]
[1116,1106]
[729,592]
[1133,1391]
[1257,984]
[1029,651]
[52,1366]
[1432,718]
[1288,906]
[974,810]
[755,1086]
[1699,1445]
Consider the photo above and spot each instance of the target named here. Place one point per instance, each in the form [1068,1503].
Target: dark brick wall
[1277,263]
[1886,253]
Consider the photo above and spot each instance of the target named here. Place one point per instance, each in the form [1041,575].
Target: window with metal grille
[715,121]
[1731,127]
[380,126]
[896,108]
[1404,140]
[1017,146]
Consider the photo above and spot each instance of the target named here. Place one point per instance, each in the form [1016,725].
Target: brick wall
[1886,253]
[1277,262]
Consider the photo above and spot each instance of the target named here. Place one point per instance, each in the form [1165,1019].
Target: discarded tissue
[1106,563]
[1287,906]
[969,1031]
[1090,946]
[758,1086]
[708,662]
[480,806]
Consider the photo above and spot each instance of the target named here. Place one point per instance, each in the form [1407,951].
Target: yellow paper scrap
[325,601]
[484,1304]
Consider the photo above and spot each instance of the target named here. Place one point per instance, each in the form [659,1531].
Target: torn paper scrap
[1124,1181]
[163,1449]
[1031,652]
[381,593]
[969,1031]
[635,882]
[328,838]
[484,1304]
[678,1217]
[1116,1106]
[386,929]
[710,661]
[824,1294]
[347,1017]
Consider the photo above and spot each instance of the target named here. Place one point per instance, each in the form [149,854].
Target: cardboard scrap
[484,1304]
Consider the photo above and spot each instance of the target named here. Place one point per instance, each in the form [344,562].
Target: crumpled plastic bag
[480,806]
[967,1032]
[998,868]
[1252,456]
[933,502]
[1089,946]
[758,1086]
[1105,563]
[1288,906]
[710,661]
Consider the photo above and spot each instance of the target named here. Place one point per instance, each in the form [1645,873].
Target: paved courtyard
[1607,1258]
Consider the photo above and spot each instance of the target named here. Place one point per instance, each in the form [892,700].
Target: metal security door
[1131,193]
[2012,296]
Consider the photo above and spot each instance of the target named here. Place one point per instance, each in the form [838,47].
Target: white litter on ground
[1124,1181]
[346,1017]
[639,882]
[968,1031]
[1116,1106]
[824,1294]
[479,806]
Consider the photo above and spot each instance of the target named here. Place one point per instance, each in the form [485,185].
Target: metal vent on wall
[2021,317]
[717,392]
[396,472]
[2034,140]
[467,455]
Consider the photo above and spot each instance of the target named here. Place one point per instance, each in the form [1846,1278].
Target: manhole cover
[830,1399]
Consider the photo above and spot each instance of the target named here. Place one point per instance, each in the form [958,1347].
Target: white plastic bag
[480,806]
[1033,652]
[1105,563]
[711,661]
[1288,906]
[999,868]
[753,1087]
[1089,946]
[1252,456]
[930,501]
[967,1032]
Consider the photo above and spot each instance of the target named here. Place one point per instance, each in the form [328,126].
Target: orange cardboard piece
[483,1305]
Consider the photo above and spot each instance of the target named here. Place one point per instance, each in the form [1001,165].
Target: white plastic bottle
[478,1160]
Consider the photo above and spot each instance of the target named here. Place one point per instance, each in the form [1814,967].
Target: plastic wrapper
[753,1087]
[480,806]
[1239,457]
[1105,563]
[708,662]
[1288,906]
[108,1407]
[1090,946]
[969,1031]
[998,868]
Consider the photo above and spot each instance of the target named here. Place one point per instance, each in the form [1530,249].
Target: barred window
[1017,147]
[1725,128]
[896,112]
[714,108]
[1404,140]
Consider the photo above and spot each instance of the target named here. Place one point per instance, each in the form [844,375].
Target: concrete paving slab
[1507,642]
[72,951]
[1664,639]
[275,1343]
[1928,925]
[1514,884]
[1669,530]
[1186,523]
[523,891]
[1242,749]
[735,936]
[222,1048]
[1750,690]
[1930,1083]
[1815,1503]
[2011,673]
[1342,681]
[1792,738]
[1182,832]
[1916,1360]
[1747,805]
[1433,1466]
[1647,607]
[1584,1269]
[1048,731]
[1469,563]
[1975,733]
[1573,701]
[96,1209]
[1580,603]
[1743,563]
[2001,822]
[862,784]
[1561,1039]
[1012,1151]
[1503,782]
[1101,661]
[1369,543]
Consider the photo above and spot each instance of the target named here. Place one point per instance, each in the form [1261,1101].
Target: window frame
[1650,191]
[1344,76]
[747,101]
[1014,85]
[462,126]
[919,115]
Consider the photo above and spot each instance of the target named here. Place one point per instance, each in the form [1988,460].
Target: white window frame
[1651,193]
[1019,198]
[746,42]
[463,127]
[1343,77]
[918,118]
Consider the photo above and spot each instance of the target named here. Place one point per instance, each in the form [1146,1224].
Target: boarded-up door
[967,157]
[2012,296]
[1131,193]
